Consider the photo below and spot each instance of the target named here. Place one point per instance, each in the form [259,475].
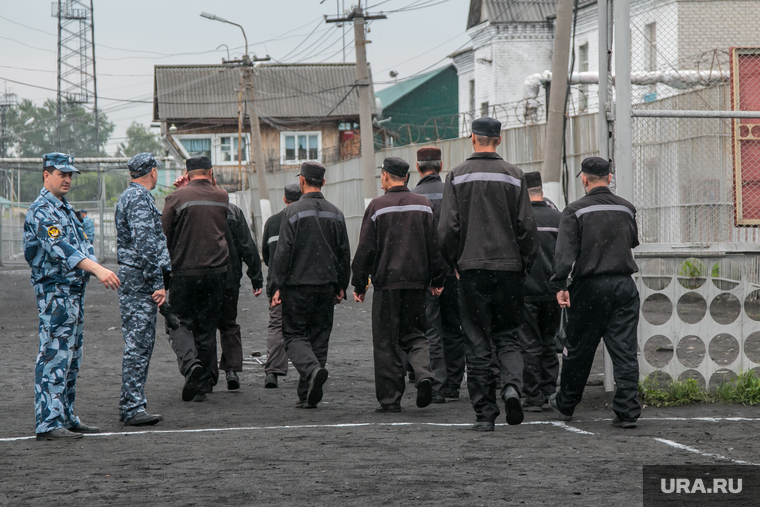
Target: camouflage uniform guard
[143,259]
[55,248]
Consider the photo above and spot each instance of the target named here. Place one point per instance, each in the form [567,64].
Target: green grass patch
[659,391]
[662,392]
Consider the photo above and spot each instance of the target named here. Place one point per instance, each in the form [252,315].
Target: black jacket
[431,187]
[313,245]
[537,285]
[269,245]
[241,248]
[596,235]
[397,244]
[486,217]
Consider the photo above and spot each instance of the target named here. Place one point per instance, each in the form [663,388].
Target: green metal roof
[393,93]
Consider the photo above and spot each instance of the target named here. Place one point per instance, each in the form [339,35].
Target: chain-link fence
[684,165]
[692,164]
[12,227]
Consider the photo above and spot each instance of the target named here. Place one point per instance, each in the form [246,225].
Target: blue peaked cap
[59,161]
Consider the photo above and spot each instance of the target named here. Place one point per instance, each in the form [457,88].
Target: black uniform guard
[312,268]
[488,234]
[542,312]
[596,235]
[444,329]
[242,249]
[277,359]
[398,248]
[195,222]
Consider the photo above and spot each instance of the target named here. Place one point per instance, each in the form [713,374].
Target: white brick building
[514,39]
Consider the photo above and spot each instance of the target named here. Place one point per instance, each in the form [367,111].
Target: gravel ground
[252,447]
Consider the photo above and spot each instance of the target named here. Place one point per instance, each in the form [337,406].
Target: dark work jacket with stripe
[241,249]
[537,284]
[397,244]
[431,186]
[195,222]
[312,248]
[486,217]
[269,245]
[596,235]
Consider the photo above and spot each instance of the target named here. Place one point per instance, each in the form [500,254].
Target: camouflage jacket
[54,243]
[140,240]
[89,229]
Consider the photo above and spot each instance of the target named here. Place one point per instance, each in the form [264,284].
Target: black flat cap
[596,166]
[312,170]
[395,166]
[428,154]
[201,162]
[292,192]
[533,180]
[486,126]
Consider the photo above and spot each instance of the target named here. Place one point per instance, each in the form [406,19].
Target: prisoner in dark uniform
[399,250]
[488,234]
[277,359]
[195,221]
[596,235]
[542,312]
[444,329]
[241,248]
[310,274]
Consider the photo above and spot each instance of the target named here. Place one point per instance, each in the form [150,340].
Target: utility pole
[365,105]
[555,122]
[250,103]
[623,158]
[7,101]
[257,146]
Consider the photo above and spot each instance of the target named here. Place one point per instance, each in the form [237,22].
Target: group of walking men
[471,271]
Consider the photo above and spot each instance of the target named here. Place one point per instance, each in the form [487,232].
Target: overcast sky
[133,36]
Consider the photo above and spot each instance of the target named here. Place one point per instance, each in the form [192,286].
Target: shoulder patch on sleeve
[53,232]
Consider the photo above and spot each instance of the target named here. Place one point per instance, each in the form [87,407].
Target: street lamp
[214,17]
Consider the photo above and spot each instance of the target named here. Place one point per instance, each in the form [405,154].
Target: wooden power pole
[257,146]
[363,84]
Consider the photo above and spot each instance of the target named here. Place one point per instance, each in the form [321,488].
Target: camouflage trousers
[138,325]
[55,374]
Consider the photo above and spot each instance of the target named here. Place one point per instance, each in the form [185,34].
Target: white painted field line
[557,424]
[699,419]
[706,454]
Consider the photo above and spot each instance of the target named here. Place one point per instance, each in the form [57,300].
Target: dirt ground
[252,447]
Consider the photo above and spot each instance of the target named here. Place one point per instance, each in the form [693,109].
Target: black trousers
[307,321]
[196,301]
[444,332]
[602,307]
[398,322]
[540,363]
[491,309]
[229,335]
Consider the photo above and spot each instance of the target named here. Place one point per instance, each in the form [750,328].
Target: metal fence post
[623,155]
[101,239]
[2,212]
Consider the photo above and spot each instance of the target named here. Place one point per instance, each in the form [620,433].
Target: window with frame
[228,149]
[297,147]
[583,67]
[222,149]
[484,109]
[472,97]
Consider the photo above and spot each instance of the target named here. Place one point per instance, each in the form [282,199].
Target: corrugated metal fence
[522,146]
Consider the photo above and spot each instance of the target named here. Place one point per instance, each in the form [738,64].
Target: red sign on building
[745,132]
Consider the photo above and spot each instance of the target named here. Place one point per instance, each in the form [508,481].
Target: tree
[140,140]
[77,129]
